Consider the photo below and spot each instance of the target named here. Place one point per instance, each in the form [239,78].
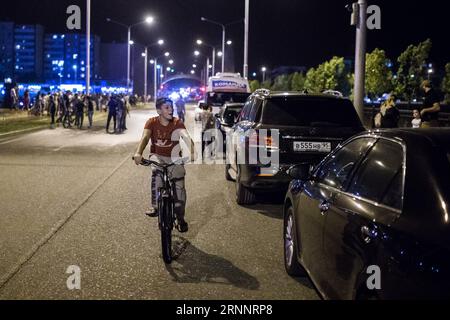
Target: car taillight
[265,141]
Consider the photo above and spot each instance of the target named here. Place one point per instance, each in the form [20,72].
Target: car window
[393,195]
[380,176]
[336,170]
[310,112]
[246,110]
[254,110]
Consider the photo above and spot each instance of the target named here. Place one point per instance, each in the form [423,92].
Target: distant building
[28,52]
[28,49]
[65,57]
[6,50]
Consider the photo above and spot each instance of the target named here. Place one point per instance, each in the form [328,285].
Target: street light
[157,67]
[264,69]
[149,20]
[200,42]
[160,42]
[223,35]
[197,53]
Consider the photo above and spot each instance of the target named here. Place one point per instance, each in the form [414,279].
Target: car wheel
[227,173]
[244,196]
[293,267]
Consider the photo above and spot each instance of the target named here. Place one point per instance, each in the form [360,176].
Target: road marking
[38,245]
[13,140]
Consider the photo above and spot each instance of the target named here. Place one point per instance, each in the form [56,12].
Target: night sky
[282,32]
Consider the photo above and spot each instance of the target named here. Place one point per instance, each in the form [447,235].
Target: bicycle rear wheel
[166,231]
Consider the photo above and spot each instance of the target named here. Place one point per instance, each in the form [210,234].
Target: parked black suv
[308,127]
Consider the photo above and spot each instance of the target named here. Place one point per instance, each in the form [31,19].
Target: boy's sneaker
[152,212]
[182,226]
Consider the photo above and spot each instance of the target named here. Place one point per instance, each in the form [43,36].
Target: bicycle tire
[166,232]
[66,122]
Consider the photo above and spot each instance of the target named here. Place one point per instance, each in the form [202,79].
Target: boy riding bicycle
[165,132]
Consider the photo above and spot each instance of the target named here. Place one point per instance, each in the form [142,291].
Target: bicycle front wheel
[166,232]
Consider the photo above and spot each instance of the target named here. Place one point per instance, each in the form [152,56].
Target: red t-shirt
[164,138]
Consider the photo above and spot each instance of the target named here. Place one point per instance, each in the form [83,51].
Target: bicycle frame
[166,208]
[166,192]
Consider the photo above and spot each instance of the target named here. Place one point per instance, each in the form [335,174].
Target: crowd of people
[425,117]
[63,107]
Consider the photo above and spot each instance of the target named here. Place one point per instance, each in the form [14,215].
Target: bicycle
[69,119]
[166,207]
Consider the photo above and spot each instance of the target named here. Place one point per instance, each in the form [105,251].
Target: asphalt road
[74,198]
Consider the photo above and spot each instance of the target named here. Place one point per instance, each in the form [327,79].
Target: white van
[226,87]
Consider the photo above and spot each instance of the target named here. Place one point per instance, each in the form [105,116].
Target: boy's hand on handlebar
[137,159]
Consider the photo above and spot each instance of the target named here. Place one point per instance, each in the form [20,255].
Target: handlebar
[148,163]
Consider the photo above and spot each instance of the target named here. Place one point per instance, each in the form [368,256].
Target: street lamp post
[88,47]
[247,23]
[197,53]
[223,38]
[159,42]
[155,73]
[148,20]
[200,42]
[360,55]
[264,69]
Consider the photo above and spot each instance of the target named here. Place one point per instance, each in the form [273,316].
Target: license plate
[307,146]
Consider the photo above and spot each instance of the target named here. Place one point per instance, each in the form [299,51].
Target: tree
[266,84]
[378,74]
[330,75]
[298,82]
[254,85]
[446,83]
[412,70]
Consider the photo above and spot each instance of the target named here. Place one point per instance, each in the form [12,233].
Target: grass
[22,123]
[18,121]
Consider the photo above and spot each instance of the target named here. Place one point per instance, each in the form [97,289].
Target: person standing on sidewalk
[431,107]
[90,110]
[112,113]
[52,110]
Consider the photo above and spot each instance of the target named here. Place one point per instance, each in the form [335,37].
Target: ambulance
[226,88]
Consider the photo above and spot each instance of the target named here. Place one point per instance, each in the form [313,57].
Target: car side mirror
[300,172]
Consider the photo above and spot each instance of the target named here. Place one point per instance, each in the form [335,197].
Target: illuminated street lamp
[157,67]
[149,20]
[264,69]
[160,42]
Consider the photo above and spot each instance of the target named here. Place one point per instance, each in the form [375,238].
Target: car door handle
[324,206]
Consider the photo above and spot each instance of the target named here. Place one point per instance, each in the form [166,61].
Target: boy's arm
[190,143]
[146,136]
